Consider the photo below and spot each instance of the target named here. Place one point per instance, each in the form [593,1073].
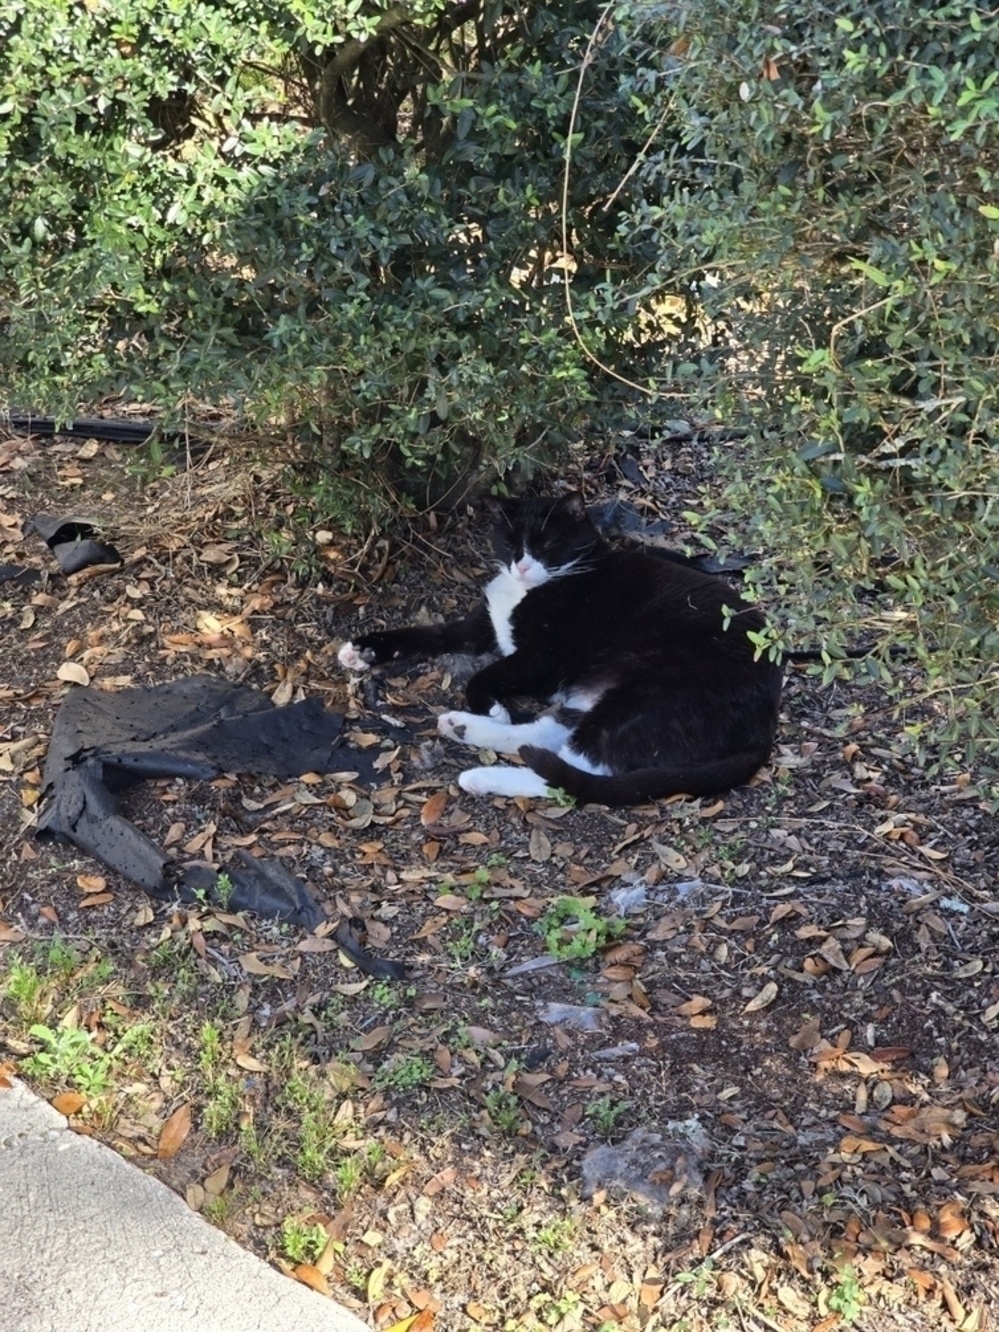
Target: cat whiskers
[575,566]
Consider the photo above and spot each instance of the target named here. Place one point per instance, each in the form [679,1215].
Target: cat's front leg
[506,678]
[473,634]
[497,731]
[375,649]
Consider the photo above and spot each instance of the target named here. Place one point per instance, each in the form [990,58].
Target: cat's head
[539,538]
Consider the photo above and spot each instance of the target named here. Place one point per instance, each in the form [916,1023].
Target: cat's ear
[500,507]
[575,506]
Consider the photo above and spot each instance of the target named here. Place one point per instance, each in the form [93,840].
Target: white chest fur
[503,594]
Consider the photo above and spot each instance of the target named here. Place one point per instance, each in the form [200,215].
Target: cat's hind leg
[499,733]
[503,781]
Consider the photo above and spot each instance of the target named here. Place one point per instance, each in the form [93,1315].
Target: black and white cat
[657,687]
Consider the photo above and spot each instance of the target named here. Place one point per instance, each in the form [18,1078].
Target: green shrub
[341,224]
[824,184]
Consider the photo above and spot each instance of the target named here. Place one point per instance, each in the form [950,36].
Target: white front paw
[502,781]
[499,713]
[453,724]
[476,781]
[352,658]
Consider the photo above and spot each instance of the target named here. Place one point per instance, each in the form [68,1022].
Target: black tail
[634,788]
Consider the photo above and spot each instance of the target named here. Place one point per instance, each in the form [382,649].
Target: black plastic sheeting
[103,743]
[73,542]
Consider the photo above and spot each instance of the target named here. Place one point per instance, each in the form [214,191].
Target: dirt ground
[770,1097]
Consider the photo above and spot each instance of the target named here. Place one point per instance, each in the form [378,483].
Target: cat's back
[637,584]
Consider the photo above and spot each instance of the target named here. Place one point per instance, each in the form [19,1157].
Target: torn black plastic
[71,541]
[103,743]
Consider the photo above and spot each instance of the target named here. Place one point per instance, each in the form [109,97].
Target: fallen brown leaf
[215,1183]
[807,1036]
[539,847]
[440,1181]
[252,964]
[311,1276]
[372,1039]
[91,883]
[434,808]
[762,1000]
[418,1322]
[73,673]
[68,1103]
[173,1132]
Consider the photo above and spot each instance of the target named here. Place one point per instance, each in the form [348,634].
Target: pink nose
[523,565]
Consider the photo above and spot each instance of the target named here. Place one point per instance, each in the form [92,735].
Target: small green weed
[318,1144]
[846,1298]
[504,1111]
[211,1057]
[475,889]
[460,943]
[356,1275]
[387,994]
[560,797]
[604,1114]
[218,1210]
[572,930]
[220,1115]
[374,1156]
[224,889]
[260,1148]
[70,1054]
[348,1175]
[565,1311]
[318,1139]
[302,1243]
[25,988]
[57,958]
[138,1042]
[701,1279]
[56,970]
[405,1072]
[558,1236]
[223,1101]
[150,464]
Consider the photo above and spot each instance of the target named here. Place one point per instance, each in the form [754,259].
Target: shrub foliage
[346,216]
[829,183]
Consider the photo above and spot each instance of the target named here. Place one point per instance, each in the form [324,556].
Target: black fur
[684,707]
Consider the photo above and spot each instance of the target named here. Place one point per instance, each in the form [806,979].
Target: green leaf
[881,279]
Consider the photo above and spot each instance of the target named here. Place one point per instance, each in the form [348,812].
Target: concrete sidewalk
[88,1243]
